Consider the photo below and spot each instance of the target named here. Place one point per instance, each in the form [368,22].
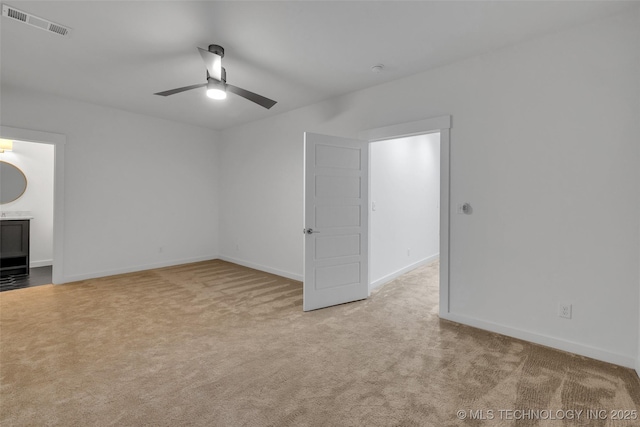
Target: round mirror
[13,183]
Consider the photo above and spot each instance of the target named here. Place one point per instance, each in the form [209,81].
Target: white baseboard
[560,344]
[45,263]
[389,277]
[287,274]
[133,269]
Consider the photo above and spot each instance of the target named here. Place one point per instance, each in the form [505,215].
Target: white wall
[140,192]
[405,189]
[36,162]
[638,356]
[544,145]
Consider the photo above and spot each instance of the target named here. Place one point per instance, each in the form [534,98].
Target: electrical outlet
[409,252]
[564,310]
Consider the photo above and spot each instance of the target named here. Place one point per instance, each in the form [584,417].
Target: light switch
[373,206]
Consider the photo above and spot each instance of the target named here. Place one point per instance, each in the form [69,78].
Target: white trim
[445,220]
[137,268]
[29,135]
[545,340]
[281,273]
[402,130]
[58,141]
[440,124]
[44,263]
[389,277]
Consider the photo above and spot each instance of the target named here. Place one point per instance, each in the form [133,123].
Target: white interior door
[336,222]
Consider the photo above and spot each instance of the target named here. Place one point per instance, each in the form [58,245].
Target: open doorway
[56,144]
[26,215]
[404,205]
[442,126]
[336,213]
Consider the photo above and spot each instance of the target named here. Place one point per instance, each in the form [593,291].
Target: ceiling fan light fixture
[216,90]
[216,93]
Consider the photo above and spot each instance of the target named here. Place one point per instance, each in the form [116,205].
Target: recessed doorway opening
[337,208]
[26,248]
[54,144]
[404,211]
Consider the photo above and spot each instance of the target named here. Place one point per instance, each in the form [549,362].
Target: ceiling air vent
[34,21]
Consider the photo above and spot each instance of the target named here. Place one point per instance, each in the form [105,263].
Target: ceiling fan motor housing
[217,49]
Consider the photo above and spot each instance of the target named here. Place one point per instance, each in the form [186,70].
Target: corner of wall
[266,269]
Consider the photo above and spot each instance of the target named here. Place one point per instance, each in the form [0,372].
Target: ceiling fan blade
[258,99]
[180,89]
[213,62]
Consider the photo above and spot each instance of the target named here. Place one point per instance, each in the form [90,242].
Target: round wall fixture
[13,183]
[377,68]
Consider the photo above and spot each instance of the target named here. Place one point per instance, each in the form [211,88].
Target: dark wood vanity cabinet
[14,247]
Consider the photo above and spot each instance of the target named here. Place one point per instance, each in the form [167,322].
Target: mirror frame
[24,189]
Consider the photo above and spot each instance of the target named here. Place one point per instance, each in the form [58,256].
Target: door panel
[337,246]
[335,215]
[337,275]
[338,216]
[337,157]
[328,186]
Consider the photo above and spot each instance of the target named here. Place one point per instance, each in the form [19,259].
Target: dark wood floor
[37,276]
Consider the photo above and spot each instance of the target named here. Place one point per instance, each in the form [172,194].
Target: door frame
[440,124]
[58,141]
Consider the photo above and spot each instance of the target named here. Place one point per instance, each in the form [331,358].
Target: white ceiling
[297,52]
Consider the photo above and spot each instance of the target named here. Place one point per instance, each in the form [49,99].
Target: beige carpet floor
[215,344]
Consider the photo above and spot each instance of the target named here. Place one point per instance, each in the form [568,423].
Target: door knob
[309,231]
